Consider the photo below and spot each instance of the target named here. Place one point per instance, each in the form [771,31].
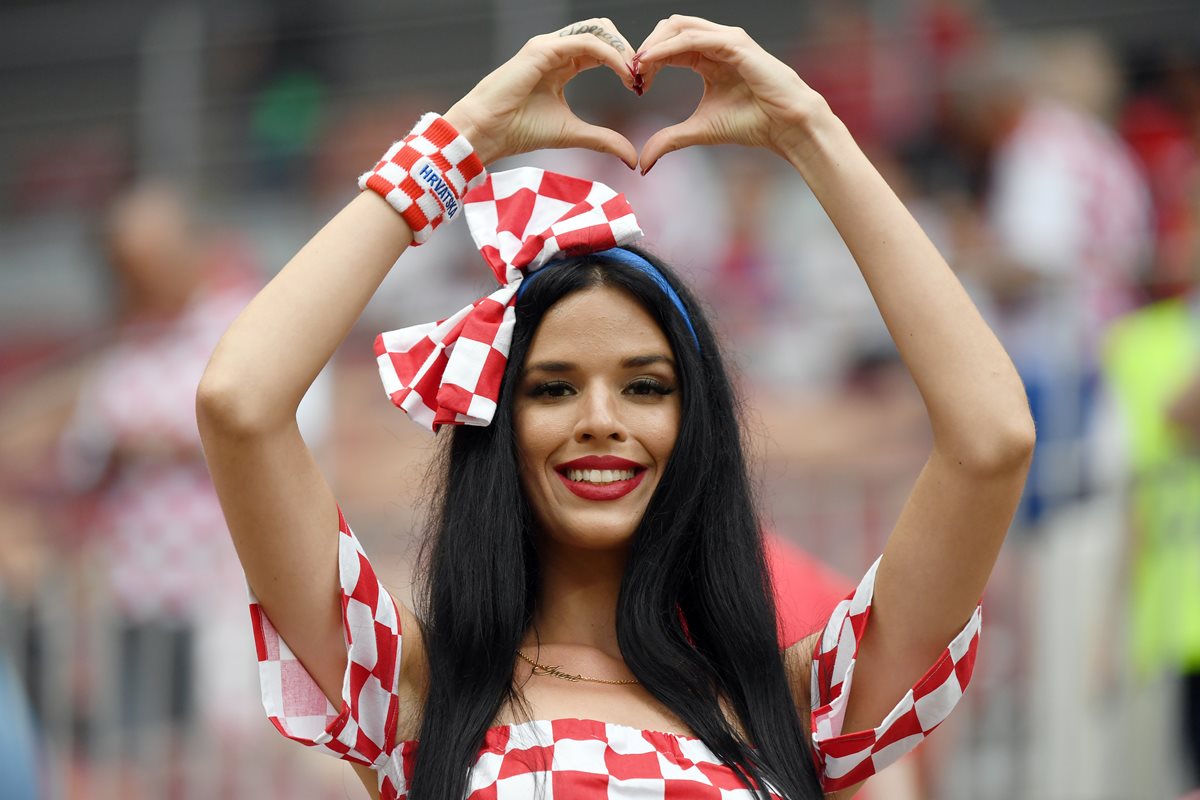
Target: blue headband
[629,259]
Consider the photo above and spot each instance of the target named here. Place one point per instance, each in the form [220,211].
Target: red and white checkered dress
[577,758]
[156,518]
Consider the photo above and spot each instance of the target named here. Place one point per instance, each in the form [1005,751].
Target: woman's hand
[520,106]
[750,97]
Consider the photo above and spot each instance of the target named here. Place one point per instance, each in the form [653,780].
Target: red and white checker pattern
[363,731]
[133,451]
[846,759]
[449,372]
[397,176]
[585,759]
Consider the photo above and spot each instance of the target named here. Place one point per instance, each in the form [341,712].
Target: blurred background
[159,161]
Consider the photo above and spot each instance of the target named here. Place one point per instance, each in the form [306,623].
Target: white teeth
[599,475]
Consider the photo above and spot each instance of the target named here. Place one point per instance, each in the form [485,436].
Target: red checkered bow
[449,372]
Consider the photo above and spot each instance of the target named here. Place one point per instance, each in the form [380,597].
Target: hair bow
[449,372]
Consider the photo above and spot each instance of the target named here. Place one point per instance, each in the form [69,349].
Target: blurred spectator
[869,77]
[31,416]
[19,762]
[1060,244]
[1152,362]
[132,457]
[1150,356]
[288,113]
[1161,122]
[147,511]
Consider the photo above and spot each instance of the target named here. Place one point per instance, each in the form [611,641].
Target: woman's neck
[577,600]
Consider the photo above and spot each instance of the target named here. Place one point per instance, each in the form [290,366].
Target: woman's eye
[649,386]
[552,389]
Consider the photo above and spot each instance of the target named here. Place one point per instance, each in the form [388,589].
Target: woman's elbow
[1002,448]
[222,407]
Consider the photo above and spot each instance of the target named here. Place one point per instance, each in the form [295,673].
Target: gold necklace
[555,672]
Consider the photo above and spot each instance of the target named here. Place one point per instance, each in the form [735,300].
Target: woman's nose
[599,417]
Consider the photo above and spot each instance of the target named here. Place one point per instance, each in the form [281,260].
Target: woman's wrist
[464,123]
[814,131]
[425,175]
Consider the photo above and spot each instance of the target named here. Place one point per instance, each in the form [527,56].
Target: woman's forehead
[602,322]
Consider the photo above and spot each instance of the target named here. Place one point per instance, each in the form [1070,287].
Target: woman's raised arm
[938,558]
[279,509]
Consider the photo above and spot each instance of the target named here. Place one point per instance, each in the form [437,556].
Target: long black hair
[696,614]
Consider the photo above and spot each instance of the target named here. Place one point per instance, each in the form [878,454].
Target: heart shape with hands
[750,97]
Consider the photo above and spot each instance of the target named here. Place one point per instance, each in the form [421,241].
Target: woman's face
[596,416]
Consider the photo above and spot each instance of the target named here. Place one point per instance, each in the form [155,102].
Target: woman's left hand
[750,97]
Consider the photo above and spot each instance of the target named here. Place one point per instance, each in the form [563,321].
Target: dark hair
[696,614]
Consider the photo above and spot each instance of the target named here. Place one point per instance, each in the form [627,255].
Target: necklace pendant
[554,672]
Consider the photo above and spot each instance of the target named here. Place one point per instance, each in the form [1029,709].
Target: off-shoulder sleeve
[844,759]
[363,730]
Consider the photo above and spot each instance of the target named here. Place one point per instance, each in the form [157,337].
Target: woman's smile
[601,477]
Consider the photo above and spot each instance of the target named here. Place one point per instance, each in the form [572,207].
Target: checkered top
[449,372]
[576,758]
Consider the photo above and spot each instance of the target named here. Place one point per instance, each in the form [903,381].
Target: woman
[597,621]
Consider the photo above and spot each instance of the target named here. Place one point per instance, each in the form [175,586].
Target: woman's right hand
[520,106]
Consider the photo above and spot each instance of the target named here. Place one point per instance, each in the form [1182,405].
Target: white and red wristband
[425,175]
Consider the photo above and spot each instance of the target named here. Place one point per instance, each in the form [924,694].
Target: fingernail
[631,166]
[638,55]
[647,169]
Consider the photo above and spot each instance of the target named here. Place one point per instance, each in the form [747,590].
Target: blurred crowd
[1058,174]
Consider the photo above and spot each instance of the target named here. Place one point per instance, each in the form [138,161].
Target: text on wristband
[435,183]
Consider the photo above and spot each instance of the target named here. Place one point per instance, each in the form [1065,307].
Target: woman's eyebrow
[647,360]
[631,362]
[550,366]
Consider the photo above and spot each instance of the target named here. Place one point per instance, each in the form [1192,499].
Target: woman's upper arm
[283,519]
[930,578]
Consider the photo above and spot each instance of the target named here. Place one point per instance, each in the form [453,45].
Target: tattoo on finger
[595,30]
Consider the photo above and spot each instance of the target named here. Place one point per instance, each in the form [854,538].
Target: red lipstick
[601,491]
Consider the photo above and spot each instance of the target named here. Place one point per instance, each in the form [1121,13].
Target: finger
[691,48]
[603,140]
[664,30]
[670,139]
[587,44]
[717,45]
[695,62]
[604,30]
[674,24]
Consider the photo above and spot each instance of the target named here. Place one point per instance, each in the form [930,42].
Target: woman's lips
[602,491]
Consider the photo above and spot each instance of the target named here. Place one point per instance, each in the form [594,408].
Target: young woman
[597,622]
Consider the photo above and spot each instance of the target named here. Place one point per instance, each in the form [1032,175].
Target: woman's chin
[593,533]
